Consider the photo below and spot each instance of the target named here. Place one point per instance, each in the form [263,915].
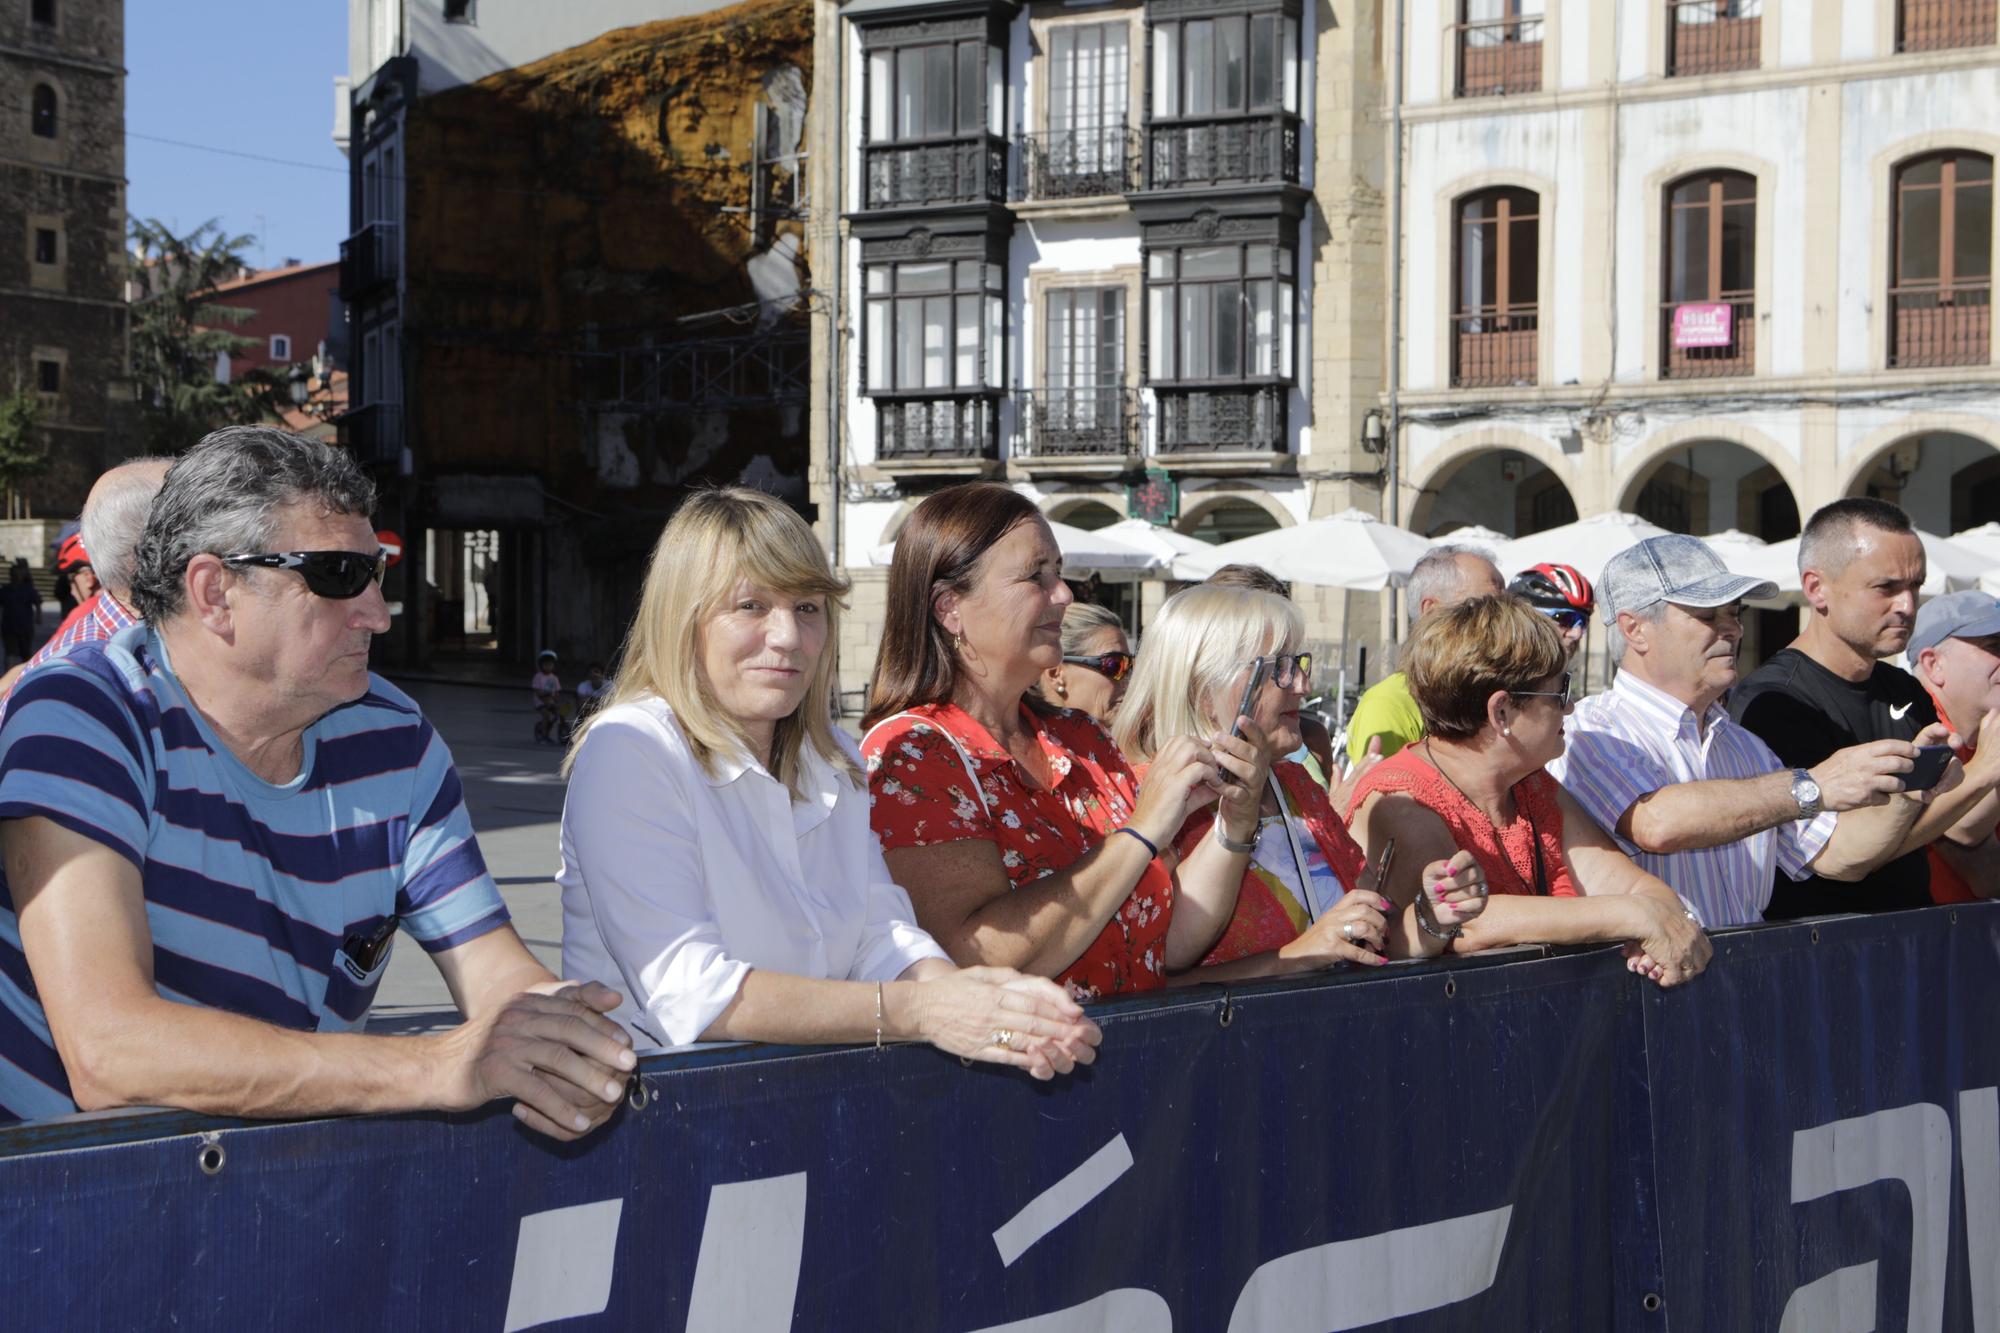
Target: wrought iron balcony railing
[1097,422]
[1492,350]
[1714,36]
[1736,356]
[1079,164]
[1185,154]
[959,171]
[1228,418]
[374,433]
[369,260]
[1500,56]
[1941,326]
[961,426]
[1939,25]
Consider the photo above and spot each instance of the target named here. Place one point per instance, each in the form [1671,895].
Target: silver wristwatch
[1806,792]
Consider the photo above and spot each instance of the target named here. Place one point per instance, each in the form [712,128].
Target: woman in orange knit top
[1307,901]
[1488,676]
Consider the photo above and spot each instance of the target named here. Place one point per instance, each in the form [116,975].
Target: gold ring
[1003,1037]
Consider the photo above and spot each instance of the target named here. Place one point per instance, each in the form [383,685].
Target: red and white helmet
[1557,587]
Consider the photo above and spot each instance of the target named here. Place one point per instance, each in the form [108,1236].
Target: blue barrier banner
[1805,1137]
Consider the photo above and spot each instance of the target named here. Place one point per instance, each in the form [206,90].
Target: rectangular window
[1200,68]
[1263,62]
[1085,342]
[1219,313]
[881,91]
[43,12]
[928,324]
[45,245]
[48,376]
[1231,72]
[1167,69]
[971,87]
[281,347]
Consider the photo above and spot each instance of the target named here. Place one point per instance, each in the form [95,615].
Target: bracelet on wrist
[1230,844]
[878,1015]
[1427,922]
[1151,848]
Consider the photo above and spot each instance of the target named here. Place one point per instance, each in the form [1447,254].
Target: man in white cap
[1691,796]
[1955,652]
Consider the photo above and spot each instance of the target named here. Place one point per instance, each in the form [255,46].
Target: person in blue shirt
[214,822]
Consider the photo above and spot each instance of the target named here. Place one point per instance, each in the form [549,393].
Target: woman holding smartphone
[1306,900]
[1021,833]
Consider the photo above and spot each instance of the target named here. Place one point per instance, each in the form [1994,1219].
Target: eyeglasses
[1562,691]
[335,575]
[1289,667]
[1566,617]
[1112,666]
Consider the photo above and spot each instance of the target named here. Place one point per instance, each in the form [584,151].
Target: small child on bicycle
[546,688]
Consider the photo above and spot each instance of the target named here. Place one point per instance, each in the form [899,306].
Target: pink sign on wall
[1703,325]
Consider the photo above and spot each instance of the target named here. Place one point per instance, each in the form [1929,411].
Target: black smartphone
[1257,669]
[1929,770]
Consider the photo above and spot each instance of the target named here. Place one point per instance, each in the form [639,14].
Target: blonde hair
[1459,657]
[714,539]
[1081,622]
[1201,638]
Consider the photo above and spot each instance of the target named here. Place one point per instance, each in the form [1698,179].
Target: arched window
[1497,276]
[42,112]
[1708,325]
[1941,301]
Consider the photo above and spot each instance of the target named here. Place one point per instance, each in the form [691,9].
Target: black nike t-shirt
[1804,712]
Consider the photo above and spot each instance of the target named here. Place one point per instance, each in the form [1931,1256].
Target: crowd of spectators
[215,819]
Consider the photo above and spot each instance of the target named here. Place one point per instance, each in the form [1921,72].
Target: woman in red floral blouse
[1002,817]
[1307,900]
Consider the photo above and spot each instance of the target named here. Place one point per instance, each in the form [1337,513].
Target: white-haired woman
[1096,663]
[1307,900]
[716,851]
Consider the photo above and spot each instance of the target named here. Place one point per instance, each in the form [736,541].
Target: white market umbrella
[1983,541]
[1587,544]
[1753,557]
[1990,583]
[1949,566]
[1083,553]
[1352,550]
[1472,535]
[1165,543]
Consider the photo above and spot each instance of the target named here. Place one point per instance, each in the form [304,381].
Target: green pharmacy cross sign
[1156,499]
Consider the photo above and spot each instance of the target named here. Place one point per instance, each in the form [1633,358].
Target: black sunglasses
[1562,691]
[1566,617]
[1288,667]
[1113,666]
[335,575]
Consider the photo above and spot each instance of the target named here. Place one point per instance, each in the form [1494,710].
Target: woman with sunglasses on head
[1306,899]
[1564,595]
[1096,660]
[1490,678]
[1020,832]
[716,852]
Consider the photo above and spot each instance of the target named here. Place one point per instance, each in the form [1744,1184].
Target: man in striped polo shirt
[214,822]
[1691,796]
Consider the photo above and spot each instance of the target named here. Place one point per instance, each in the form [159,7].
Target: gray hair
[114,518]
[223,496]
[1614,640]
[1438,576]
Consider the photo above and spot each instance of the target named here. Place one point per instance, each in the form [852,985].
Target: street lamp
[300,384]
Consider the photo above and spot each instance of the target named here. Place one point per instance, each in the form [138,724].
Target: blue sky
[249,76]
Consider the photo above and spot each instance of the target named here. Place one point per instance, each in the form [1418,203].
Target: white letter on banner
[1060,1201]
[1979,1166]
[562,1264]
[1128,1310]
[1911,1144]
[1355,1283]
[746,1278]
[1841,1302]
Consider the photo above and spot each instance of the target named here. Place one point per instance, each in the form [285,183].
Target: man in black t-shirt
[1860,565]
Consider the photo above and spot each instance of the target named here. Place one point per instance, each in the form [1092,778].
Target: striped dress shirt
[1634,739]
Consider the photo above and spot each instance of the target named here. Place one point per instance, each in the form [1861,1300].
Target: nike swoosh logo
[1896,714]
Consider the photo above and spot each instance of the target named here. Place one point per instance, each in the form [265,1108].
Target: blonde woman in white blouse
[716,851]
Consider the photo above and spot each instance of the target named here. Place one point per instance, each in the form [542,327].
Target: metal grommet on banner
[1815,934]
[636,1095]
[1450,987]
[1228,1014]
[1651,1302]
[212,1156]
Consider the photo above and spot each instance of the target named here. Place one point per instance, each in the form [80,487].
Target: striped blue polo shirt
[249,886]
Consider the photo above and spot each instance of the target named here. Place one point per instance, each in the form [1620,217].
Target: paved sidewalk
[515,794]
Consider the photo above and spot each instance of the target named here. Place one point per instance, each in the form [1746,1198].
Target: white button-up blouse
[675,883]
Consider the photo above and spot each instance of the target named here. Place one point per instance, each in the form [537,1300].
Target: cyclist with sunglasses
[216,822]
[1564,595]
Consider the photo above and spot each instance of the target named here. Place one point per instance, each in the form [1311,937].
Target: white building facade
[1718,262]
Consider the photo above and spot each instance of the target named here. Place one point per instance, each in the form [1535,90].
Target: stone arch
[1199,504]
[1095,511]
[1679,436]
[1867,452]
[1942,476]
[1442,466]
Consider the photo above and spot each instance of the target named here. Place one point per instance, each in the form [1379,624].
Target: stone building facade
[62,234]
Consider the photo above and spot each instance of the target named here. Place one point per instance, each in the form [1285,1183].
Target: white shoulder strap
[963,758]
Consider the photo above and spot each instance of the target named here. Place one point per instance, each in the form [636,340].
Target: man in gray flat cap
[1955,654]
[1690,795]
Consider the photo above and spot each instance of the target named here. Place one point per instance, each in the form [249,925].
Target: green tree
[179,336]
[24,449]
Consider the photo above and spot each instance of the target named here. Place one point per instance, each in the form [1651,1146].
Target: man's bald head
[114,516]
